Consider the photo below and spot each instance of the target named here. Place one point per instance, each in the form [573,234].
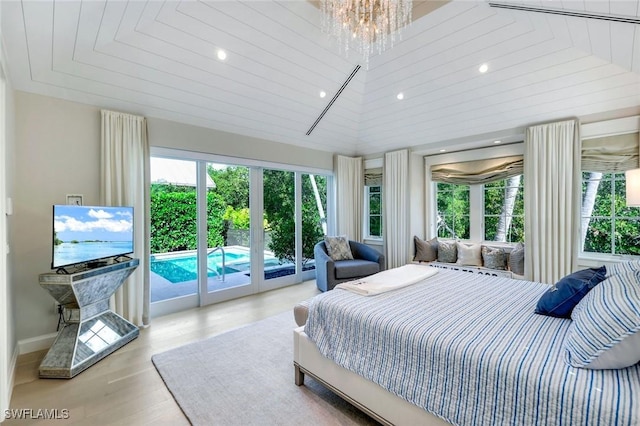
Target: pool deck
[163,289]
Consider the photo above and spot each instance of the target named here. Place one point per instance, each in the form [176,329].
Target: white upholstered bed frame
[371,398]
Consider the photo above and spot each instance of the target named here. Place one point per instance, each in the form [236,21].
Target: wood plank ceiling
[159,59]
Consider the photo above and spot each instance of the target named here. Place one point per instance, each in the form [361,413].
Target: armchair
[366,261]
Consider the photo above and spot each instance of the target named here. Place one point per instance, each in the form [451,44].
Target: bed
[458,349]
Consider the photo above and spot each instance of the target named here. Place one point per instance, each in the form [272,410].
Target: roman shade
[373,177]
[611,154]
[478,171]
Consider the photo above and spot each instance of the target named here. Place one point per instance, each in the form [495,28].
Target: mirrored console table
[91,330]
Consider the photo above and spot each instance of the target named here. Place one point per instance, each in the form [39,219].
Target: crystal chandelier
[369,24]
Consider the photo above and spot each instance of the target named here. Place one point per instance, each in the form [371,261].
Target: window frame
[597,129]
[613,217]
[468,214]
[367,213]
[476,192]
[477,223]
[484,215]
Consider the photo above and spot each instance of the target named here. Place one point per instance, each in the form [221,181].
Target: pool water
[181,268]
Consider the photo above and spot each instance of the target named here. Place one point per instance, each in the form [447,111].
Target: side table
[92,331]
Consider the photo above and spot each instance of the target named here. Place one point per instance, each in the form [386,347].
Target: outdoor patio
[163,289]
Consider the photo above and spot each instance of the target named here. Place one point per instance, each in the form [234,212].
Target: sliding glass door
[221,230]
[279,201]
[226,236]
[295,210]
[173,263]
[314,219]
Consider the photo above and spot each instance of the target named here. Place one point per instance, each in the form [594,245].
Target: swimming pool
[179,267]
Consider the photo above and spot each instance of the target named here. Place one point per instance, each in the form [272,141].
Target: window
[453,215]
[608,225]
[504,210]
[500,207]
[373,210]
[478,197]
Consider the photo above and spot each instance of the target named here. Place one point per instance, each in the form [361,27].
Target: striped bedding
[469,349]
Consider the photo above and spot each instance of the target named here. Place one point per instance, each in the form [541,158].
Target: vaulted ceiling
[159,59]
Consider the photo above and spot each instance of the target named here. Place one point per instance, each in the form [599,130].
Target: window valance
[373,177]
[611,153]
[478,171]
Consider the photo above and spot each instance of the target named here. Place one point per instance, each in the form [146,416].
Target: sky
[83,223]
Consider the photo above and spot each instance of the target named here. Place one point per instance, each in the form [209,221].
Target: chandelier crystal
[371,25]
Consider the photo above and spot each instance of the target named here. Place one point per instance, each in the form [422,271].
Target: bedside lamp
[633,187]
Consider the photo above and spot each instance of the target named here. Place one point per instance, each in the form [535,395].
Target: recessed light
[400,96]
[443,150]
[323,93]
[497,142]
[483,68]
[222,55]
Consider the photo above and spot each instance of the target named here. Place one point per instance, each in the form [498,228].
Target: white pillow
[605,332]
[469,254]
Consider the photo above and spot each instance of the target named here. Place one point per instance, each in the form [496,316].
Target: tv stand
[97,264]
[92,331]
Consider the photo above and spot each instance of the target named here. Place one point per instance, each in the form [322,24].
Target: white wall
[8,344]
[169,134]
[57,153]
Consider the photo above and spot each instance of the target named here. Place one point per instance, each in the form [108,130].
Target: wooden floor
[125,388]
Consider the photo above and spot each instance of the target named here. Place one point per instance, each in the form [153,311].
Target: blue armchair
[366,261]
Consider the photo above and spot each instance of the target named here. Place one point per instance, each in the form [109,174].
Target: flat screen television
[90,234]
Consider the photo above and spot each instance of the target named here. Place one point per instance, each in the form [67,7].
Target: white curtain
[125,182]
[396,207]
[552,190]
[349,196]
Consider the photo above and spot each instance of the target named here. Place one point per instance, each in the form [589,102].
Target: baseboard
[11,380]
[37,343]
[13,368]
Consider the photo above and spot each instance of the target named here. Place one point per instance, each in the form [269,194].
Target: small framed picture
[74,199]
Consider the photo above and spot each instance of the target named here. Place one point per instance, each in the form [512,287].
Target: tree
[232,185]
[173,212]
[279,210]
[590,190]
[453,211]
[613,227]
[173,220]
[508,204]
[504,210]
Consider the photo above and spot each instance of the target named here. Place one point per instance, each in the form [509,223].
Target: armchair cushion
[356,268]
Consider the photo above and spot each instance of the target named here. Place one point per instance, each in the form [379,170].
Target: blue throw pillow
[560,300]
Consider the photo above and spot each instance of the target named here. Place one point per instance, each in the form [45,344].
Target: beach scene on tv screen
[82,234]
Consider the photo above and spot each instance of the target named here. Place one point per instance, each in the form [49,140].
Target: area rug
[245,377]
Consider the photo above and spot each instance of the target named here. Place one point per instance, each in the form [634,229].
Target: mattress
[471,350]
